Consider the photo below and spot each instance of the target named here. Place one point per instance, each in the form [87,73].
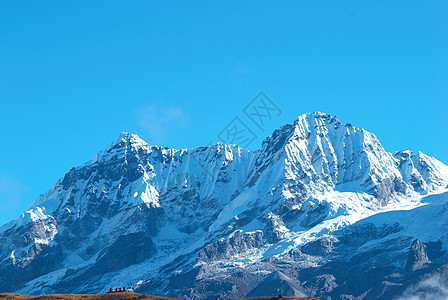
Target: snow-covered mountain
[321,209]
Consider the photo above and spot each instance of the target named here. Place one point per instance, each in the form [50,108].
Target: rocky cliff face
[320,209]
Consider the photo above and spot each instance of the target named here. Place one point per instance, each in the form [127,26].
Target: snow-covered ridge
[135,208]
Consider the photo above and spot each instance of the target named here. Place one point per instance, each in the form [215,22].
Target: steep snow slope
[222,220]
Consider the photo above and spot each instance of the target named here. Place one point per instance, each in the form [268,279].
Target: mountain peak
[316,114]
[306,127]
[126,137]
[123,141]
[318,118]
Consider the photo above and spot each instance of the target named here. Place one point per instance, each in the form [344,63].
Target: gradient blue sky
[75,74]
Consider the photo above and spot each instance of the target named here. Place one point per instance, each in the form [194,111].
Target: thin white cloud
[434,288]
[240,73]
[162,121]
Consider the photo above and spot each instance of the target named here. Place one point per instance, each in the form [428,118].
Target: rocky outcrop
[236,244]
[418,257]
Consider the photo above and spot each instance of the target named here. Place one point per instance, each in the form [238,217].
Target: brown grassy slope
[117,296]
[283,298]
[112,296]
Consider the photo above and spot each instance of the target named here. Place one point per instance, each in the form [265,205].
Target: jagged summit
[127,139]
[317,115]
[305,121]
[123,144]
[318,126]
[314,122]
[222,221]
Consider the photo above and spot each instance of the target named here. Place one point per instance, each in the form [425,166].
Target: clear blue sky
[73,74]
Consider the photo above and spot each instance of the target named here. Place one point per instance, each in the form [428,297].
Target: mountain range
[321,210]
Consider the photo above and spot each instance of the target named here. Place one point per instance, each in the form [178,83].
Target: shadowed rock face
[276,284]
[127,250]
[320,209]
[320,247]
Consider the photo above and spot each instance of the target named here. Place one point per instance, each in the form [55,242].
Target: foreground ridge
[318,202]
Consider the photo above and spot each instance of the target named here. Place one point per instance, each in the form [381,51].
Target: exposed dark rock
[276,284]
[320,247]
[418,257]
[237,244]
